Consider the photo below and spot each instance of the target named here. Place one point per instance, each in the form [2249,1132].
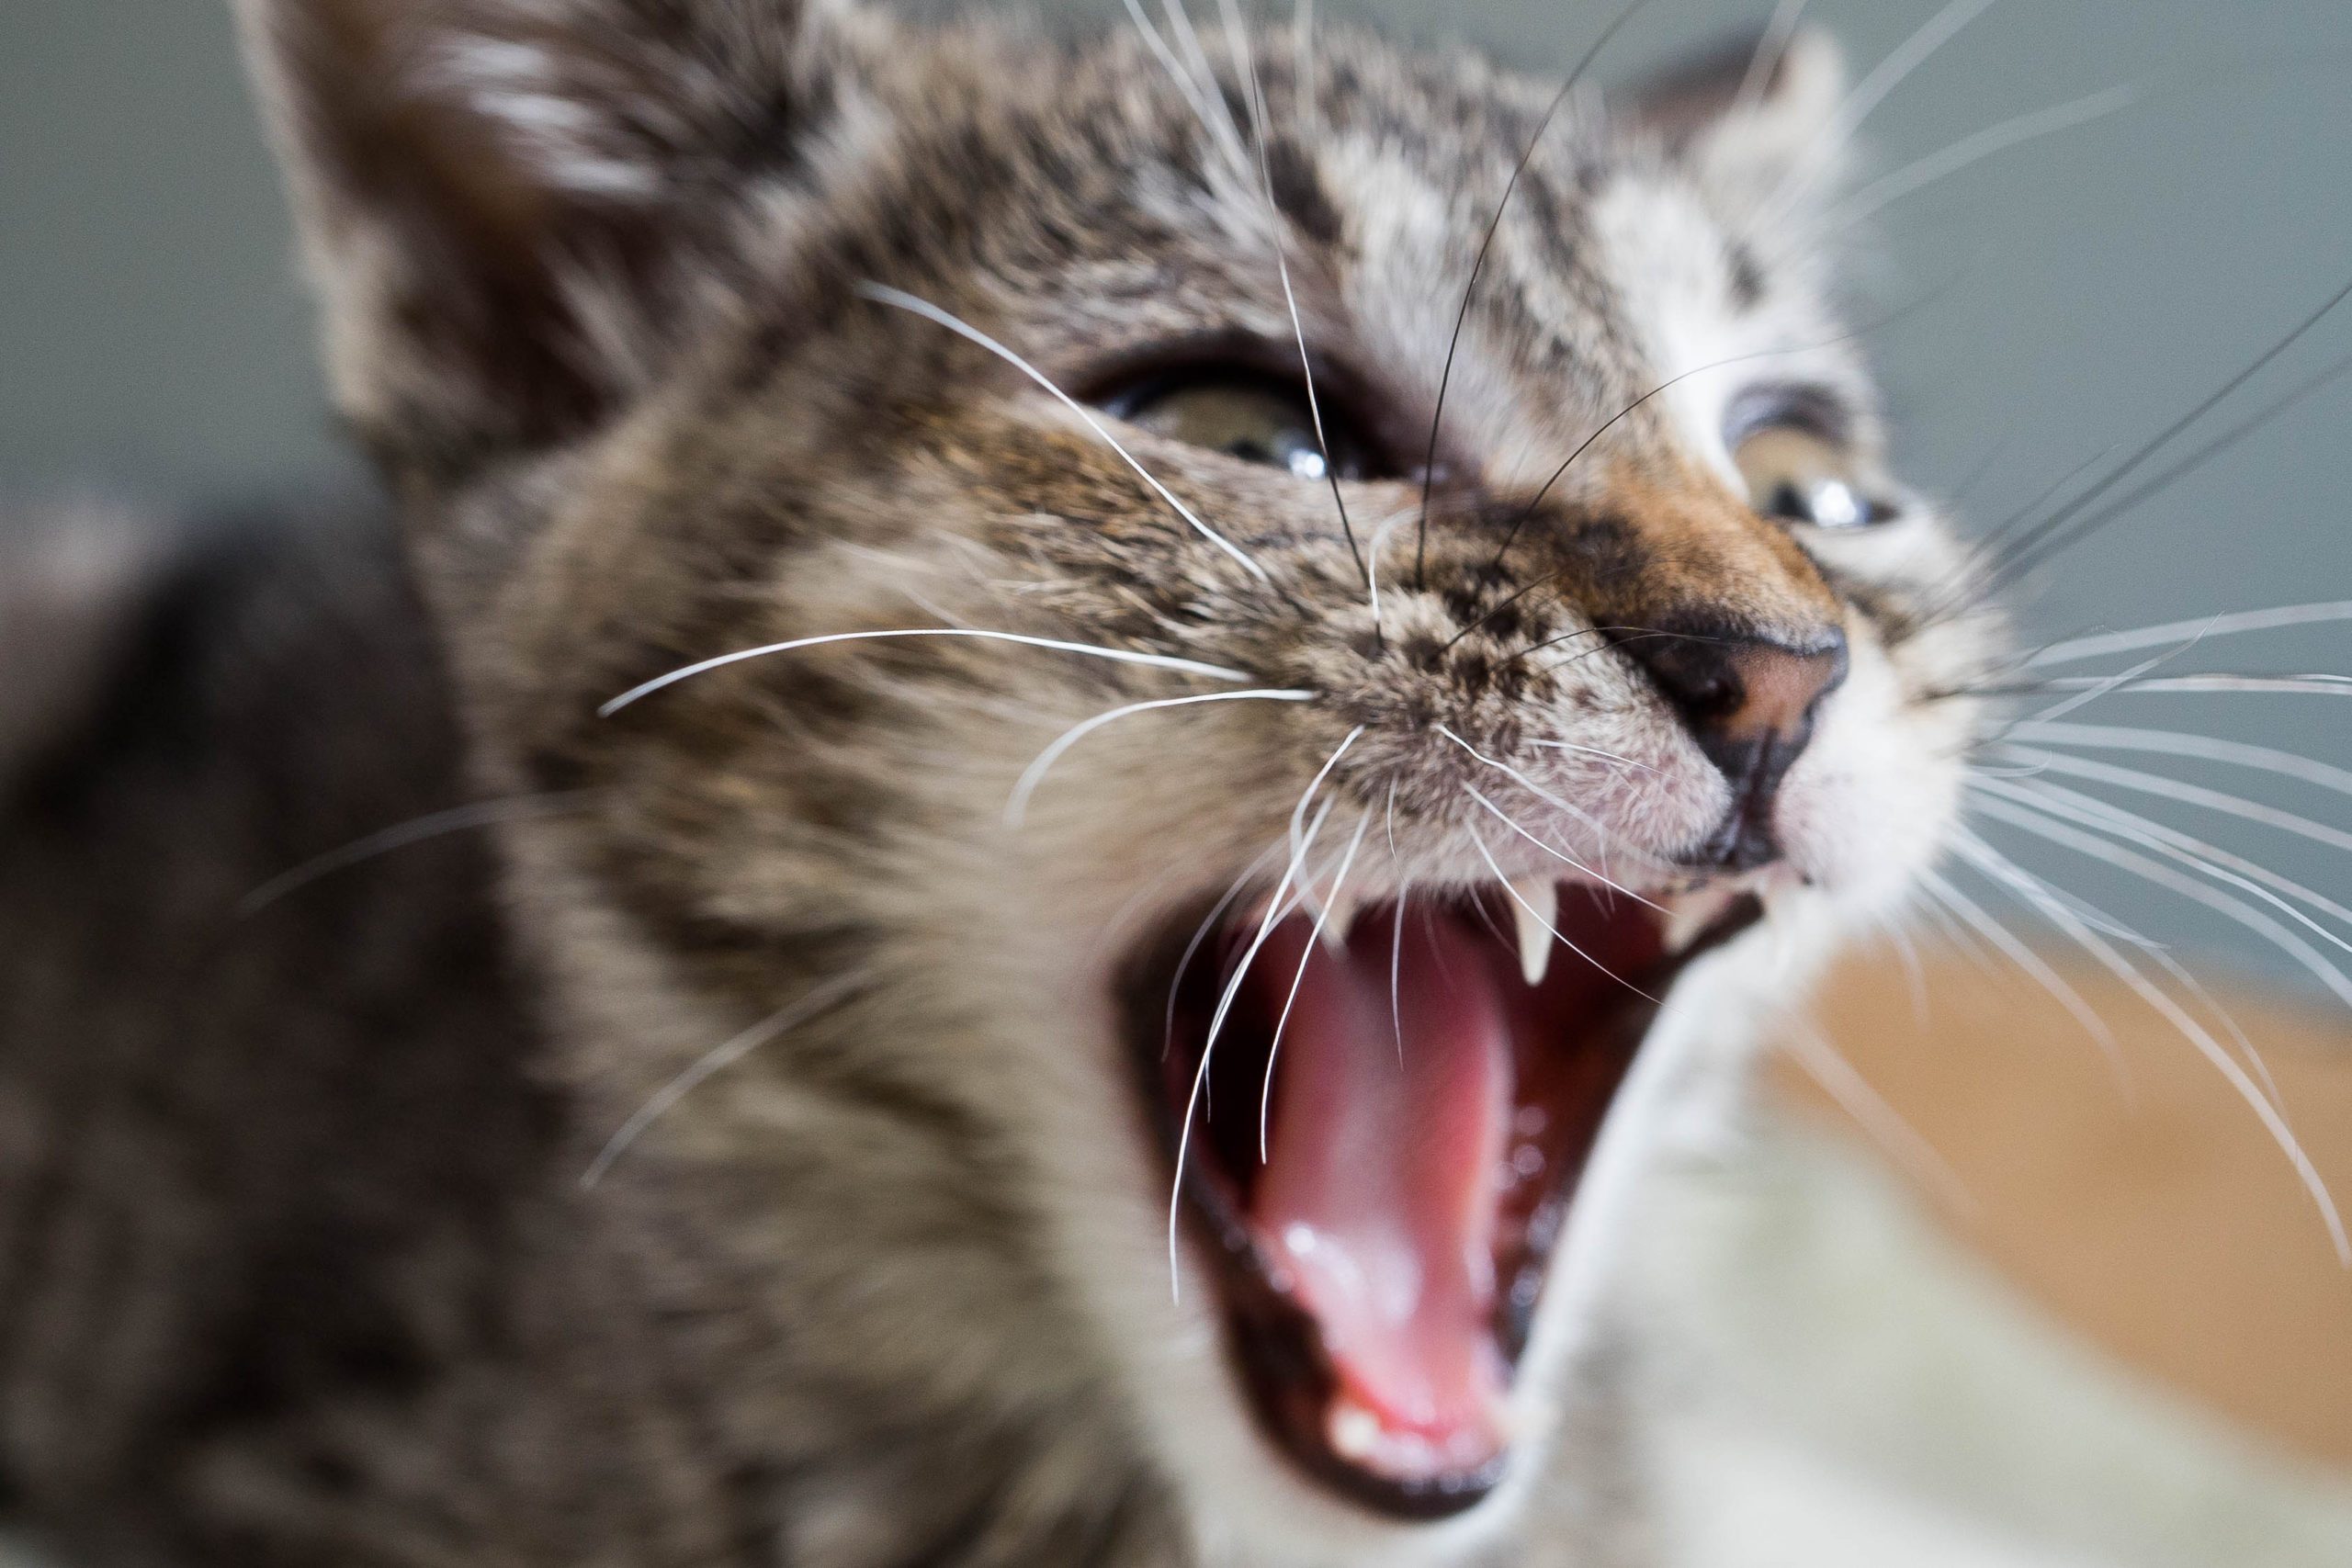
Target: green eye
[1797,477]
[1251,417]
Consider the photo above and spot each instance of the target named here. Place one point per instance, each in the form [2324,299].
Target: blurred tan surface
[2148,1209]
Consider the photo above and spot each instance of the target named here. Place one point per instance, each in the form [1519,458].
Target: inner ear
[503,201]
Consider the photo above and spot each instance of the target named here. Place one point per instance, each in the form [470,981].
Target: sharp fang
[1537,908]
[1339,919]
[1693,913]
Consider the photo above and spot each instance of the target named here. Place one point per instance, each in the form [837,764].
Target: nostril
[1692,674]
[1739,689]
[1749,702]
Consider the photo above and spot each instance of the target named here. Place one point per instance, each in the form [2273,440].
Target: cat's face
[1435,747]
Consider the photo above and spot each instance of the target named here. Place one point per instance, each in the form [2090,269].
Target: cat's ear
[1755,118]
[507,204]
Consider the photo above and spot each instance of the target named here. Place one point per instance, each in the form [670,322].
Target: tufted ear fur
[507,204]
[1757,117]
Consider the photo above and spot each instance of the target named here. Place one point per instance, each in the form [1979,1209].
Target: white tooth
[1693,913]
[1339,919]
[1354,1432]
[1537,906]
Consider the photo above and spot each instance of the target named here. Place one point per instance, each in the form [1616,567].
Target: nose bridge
[1735,627]
[1700,557]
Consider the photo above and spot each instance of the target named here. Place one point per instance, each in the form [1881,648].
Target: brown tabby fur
[300,1268]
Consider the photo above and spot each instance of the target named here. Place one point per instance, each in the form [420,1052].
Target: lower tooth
[1339,919]
[1354,1432]
[1693,913]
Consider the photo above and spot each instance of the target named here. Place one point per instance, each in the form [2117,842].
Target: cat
[1109,680]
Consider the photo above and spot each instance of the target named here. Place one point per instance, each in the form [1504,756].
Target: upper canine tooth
[1339,919]
[1537,908]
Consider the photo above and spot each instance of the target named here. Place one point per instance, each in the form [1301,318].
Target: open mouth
[1383,1192]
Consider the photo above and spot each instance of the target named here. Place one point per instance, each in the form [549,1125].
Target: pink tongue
[1381,1187]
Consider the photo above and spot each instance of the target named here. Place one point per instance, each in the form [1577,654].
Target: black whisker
[1497,609]
[1461,316]
[1618,636]
[2027,558]
[2025,544]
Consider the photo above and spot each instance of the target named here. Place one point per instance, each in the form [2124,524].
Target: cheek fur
[1869,804]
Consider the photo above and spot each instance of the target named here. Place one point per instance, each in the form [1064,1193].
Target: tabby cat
[1145,704]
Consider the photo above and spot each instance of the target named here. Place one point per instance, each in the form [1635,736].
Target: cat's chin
[1389,1108]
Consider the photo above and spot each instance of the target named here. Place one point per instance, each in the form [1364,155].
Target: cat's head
[1160,666]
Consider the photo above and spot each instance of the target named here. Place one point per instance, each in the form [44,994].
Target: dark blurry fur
[251,1169]
[299,1268]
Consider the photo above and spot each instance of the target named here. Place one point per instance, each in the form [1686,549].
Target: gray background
[2085,288]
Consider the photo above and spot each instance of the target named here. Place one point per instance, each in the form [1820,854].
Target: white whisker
[2186,743]
[1298,815]
[2189,887]
[900,299]
[1277,908]
[1506,821]
[1180,24]
[1201,935]
[1772,49]
[1914,974]
[456,819]
[2210,859]
[1897,67]
[1194,91]
[2316,684]
[1913,178]
[1116,655]
[1313,940]
[1517,898]
[1016,806]
[1874,89]
[2076,650]
[1248,66]
[1826,1065]
[2145,783]
[2124,860]
[817,1000]
[1396,933]
[1959,939]
[2001,869]
[1538,791]
[2106,684]
[2033,964]
[1590,752]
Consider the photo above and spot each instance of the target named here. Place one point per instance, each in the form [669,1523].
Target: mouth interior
[1390,1129]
